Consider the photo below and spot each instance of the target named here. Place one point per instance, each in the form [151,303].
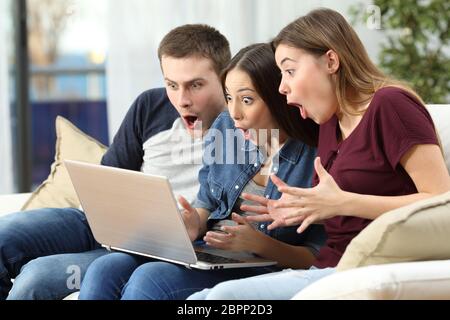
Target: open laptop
[137,213]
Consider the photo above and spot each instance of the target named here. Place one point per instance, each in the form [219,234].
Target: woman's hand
[266,210]
[242,237]
[312,205]
[191,219]
[298,206]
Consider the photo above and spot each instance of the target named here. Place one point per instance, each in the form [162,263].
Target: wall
[135,28]
[6,178]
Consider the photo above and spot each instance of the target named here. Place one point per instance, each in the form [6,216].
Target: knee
[199,295]
[103,264]
[151,281]
[13,242]
[106,275]
[222,291]
[154,270]
[106,266]
[39,279]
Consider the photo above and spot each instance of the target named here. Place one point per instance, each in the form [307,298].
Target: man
[47,251]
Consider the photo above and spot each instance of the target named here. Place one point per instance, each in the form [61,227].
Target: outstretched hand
[299,206]
[265,209]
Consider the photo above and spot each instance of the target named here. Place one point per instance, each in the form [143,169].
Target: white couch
[385,285]
[12,202]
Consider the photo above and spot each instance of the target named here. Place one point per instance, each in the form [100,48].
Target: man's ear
[333,62]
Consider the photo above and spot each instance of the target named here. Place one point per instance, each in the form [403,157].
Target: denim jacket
[222,182]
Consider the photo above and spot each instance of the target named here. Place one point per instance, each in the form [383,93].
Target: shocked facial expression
[306,82]
[248,110]
[194,88]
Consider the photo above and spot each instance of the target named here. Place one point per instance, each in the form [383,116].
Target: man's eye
[172,86]
[196,85]
[228,97]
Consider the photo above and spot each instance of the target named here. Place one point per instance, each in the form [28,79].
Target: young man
[47,251]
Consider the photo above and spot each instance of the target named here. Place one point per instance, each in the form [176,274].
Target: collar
[291,150]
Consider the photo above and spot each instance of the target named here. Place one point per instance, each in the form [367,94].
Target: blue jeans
[128,277]
[275,286]
[47,251]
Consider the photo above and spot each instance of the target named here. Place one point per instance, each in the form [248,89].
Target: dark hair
[196,40]
[258,62]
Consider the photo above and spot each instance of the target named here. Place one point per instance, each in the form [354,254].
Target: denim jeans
[128,277]
[47,251]
[275,286]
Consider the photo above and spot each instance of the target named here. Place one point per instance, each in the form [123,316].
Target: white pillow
[400,281]
[12,202]
[441,116]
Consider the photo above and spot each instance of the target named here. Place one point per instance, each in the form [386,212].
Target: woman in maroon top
[378,149]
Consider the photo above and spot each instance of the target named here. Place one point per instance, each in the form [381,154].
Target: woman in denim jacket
[259,135]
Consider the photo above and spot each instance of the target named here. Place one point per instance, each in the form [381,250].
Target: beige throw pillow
[417,232]
[71,144]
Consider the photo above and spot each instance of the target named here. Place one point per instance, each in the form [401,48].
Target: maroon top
[368,161]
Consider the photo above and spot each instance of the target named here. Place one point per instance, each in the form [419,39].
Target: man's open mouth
[190,121]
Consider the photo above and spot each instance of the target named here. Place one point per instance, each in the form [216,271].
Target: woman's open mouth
[303,112]
[246,133]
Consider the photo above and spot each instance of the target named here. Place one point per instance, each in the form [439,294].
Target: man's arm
[126,151]
[150,114]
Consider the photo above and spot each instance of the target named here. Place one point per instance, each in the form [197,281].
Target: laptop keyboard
[211,258]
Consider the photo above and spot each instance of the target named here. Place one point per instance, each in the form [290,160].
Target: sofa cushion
[398,281]
[440,115]
[71,144]
[12,202]
[416,232]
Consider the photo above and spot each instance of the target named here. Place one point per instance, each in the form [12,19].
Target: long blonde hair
[324,29]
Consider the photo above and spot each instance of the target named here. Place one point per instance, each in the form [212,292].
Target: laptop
[137,213]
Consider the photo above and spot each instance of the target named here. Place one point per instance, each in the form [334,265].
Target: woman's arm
[244,237]
[425,166]
[423,163]
[288,256]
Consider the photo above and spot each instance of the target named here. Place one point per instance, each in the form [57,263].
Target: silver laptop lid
[132,211]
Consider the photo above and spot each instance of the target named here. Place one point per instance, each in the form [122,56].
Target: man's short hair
[196,40]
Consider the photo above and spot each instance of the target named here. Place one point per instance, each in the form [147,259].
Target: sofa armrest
[12,202]
[399,281]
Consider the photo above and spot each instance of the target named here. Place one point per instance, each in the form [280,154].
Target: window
[67,53]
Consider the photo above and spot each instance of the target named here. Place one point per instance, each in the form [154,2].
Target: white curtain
[135,28]
[6,169]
